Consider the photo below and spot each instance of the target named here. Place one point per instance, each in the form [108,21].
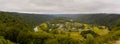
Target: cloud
[61,6]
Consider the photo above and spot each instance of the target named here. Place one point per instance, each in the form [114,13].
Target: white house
[36,29]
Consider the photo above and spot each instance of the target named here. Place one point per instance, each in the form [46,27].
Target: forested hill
[10,26]
[98,18]
[32,19]
[110,20]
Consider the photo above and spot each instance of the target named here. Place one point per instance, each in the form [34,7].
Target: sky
[61,6]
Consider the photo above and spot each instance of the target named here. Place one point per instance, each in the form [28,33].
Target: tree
[84,33]
[3,41]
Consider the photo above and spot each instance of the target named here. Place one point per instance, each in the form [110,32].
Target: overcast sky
[61,6]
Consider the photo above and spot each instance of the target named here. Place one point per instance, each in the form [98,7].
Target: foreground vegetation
[16,30]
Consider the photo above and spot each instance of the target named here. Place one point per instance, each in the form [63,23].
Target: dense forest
[23,28]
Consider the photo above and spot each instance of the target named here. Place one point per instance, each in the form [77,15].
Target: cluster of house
[68,26]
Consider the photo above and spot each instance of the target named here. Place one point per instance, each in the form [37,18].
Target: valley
[23,28]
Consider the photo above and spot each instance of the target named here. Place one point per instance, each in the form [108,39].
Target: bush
[114,35]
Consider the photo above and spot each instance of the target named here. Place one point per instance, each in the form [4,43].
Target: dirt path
[117,42]
[114,42]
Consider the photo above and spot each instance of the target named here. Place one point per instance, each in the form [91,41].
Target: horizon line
[58,13]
